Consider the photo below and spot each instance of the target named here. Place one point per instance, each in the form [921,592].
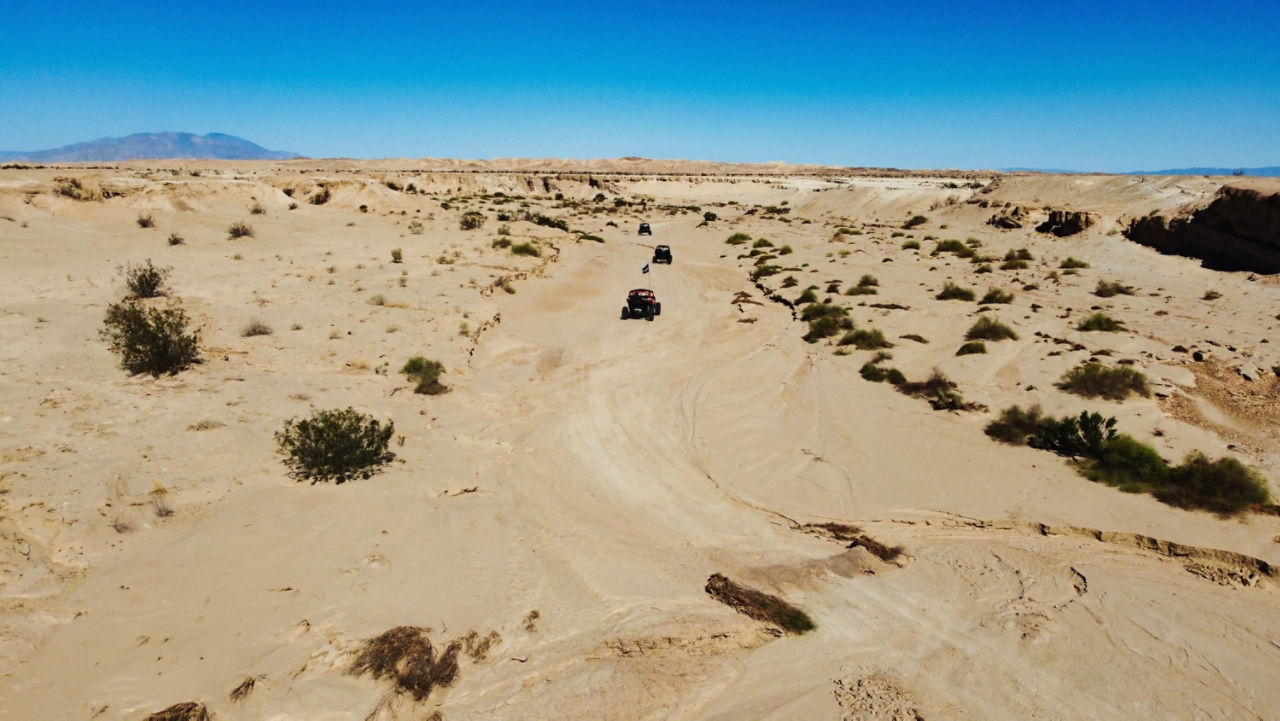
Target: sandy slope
[599,471]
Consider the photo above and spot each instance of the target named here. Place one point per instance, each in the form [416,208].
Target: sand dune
[571,495]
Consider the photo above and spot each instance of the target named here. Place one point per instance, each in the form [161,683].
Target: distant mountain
[1270,172]
[219,146]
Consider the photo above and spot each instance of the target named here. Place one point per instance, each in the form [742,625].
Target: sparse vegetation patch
[335,445]
[759,605]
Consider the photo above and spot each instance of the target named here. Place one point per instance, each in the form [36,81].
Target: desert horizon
[848,469]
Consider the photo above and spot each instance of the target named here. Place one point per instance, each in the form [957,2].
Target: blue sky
[1077,85]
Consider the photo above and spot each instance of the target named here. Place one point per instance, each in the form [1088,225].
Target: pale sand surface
[599,471]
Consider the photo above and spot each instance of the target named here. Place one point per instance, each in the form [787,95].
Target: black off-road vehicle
[662,254]
[645,229]
[641,303]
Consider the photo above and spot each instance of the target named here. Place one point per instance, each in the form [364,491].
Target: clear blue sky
[1077,85]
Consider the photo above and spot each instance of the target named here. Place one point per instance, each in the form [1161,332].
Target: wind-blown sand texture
[569,499]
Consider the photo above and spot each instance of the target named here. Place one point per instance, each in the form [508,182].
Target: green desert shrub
[914,221]
[873,372]
[501,243]
[996,295]
[1095,380]
[150,340]
[895,377]
[808,296]
[764,271]
[973,347]
[1224,486]
[737,239]
[144,280]
[1072,264]
[865,339]
[526,249]
[1211,295]
[785,250]
[397,255]
[986,328]
[1100,322]
[1127,464]
[951,291]
[335,445]
[911,245]
[762,243]
[426,373]
[825,320]
[1015,425]
[240,229]
[939,390]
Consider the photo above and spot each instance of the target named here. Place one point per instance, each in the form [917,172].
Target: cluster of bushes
[149,339]
[320,198]
[1102,454]
[953,246]
[825,320]
[867,285]
[1016,259]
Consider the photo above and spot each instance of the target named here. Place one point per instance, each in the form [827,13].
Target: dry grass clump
[471,220]
[1106,289]
[951,291]
[953,246]
[256,327]
[939,390]
[146,221]
[1094,380]
[911,245]
[397,255]
[240,229]
[244,689]
[185,711]
[1100,322]
[258,209]
[864,339]
[996,295]
[986,328]
[176,239]
[1072,264]
[405,655]
[759,605]
[144,280]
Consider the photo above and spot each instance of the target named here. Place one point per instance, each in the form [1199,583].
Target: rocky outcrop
[1010,218]
[1066,222]
[1238,230]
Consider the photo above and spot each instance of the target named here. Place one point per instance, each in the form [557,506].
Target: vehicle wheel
[657,309]
[626,313]
[648,313]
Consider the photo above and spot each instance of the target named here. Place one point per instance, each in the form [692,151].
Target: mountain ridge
[220,146]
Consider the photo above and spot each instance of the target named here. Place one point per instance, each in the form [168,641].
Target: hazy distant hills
[1268,172]
[219,146]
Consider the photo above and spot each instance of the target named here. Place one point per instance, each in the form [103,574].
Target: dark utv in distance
[641,303]
[662,254]
[645,229]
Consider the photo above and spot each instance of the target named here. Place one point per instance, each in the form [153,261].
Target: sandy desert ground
[568,500]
